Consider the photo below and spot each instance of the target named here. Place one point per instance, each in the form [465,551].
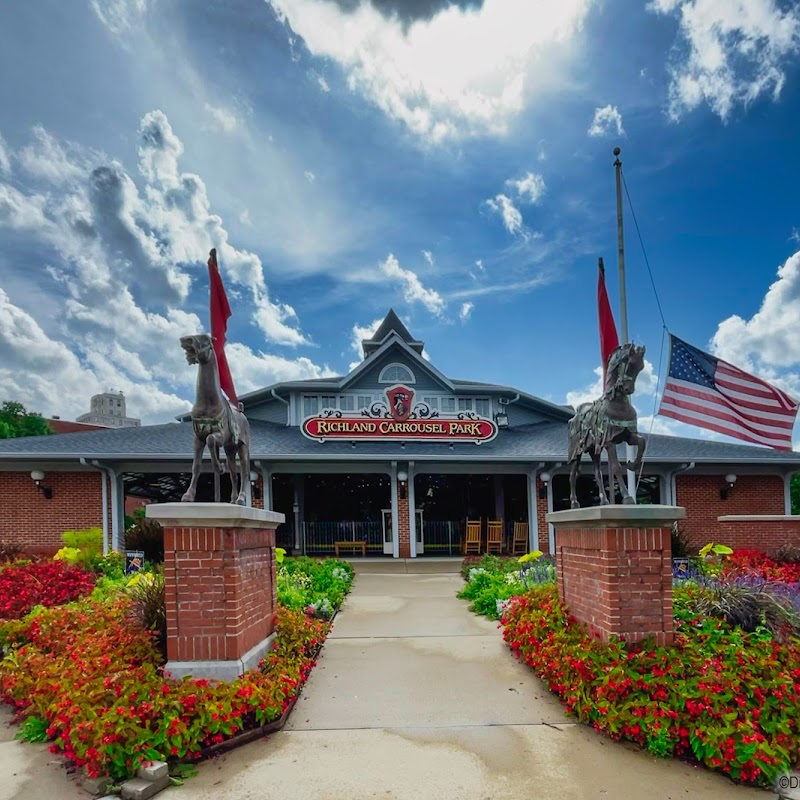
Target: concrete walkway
[415,698]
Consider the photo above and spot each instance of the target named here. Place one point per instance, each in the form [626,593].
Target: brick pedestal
[614,566]
[219,573]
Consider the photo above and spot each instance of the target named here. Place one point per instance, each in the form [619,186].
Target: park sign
[399,420]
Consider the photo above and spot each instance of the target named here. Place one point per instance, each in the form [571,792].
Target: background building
[108,409]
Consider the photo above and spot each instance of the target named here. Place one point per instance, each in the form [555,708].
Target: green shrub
[148,607]
[485,589]
[680,542]
[146,535]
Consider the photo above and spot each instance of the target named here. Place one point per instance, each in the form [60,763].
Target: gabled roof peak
[391,324]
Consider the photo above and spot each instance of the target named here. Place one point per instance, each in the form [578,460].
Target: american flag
[710,393]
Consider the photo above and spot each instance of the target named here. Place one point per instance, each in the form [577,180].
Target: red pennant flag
[608,328]
[220,311]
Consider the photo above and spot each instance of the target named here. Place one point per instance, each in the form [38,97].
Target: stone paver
[414,698]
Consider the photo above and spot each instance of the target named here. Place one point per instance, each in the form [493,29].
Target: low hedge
[721,696]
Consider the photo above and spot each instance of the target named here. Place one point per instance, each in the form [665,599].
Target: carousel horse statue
[215,422]
[608,421]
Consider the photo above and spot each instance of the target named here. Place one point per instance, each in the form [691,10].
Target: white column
[412,511]
[787,494]
[551,532]
[266,481]
[395,523]
[533,517]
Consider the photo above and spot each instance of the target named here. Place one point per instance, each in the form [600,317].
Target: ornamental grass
[720,696]
[91,682]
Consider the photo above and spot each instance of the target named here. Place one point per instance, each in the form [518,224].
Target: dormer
[391,324]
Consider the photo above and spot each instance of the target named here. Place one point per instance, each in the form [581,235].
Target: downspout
[787,493]
[286,403]
[673,487]
[102,471]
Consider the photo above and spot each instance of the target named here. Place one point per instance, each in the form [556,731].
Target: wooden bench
[352,545]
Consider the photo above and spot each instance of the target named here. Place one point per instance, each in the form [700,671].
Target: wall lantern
[730,480]
[544,477]
[402,478]
[37,476]
[501,419]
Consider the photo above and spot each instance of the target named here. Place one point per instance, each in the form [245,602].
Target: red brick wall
[29,520]
[617,581]
[403,524]
[699,495]
[220,591]
[541,511]
[760,534]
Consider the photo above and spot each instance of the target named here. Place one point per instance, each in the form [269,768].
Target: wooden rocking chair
[494,536]
[519,545]
[472,541]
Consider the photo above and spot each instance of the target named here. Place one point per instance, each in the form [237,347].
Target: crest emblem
[400,398]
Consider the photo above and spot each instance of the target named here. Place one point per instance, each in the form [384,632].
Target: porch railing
[319,537]
[443,537]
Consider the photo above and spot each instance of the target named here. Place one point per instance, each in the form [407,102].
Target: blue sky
[453,161]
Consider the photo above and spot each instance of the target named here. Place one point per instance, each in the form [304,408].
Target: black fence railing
[445,537]
[319,537]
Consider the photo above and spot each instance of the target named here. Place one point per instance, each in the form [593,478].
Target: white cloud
[512,217]
[428,256]
[223,118]
[606,121]
[729,52]
[767,344]
[5,158]
[466,311]
[463,71]
[119,16]
[245,219]
[122,261]
[529,188]
[357,335]
[479,264]
[646,384]
[309,176]
[413,290]
[320,80]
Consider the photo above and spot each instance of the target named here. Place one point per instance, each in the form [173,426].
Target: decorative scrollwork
[327,413]
[423,411]
[377,411]
[468,415]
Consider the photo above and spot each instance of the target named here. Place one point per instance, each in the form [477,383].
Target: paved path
[414,698]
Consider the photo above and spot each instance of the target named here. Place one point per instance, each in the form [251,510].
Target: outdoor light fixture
[402,478]
[37,476]
[730,480]
[501,419]
[544,477]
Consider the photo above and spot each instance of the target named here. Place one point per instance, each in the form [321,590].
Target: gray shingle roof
[530,443]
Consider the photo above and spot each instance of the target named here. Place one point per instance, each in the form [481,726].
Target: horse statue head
[624,365]
[198,348]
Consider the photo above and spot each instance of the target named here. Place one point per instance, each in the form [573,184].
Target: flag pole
[623,299]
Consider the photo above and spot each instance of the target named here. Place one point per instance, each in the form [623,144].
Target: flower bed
[724,697]
[88,677]
[317,586]
[51,583]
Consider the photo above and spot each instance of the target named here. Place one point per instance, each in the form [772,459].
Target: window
[347,402]
[482,406]
[310,406]
[465,404]
[431,402]
[396,373]
[364,401]
[447,404]
[328,401]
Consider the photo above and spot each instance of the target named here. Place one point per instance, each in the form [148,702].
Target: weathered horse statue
[216,423]
[608,421]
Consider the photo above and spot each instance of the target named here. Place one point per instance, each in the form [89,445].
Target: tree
[794,488]
[16,421]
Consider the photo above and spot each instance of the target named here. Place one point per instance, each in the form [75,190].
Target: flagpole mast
[623,299]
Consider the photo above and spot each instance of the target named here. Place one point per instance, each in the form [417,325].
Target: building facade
[391,460]
[108,410]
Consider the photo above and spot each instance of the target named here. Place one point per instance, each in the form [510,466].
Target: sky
[452,160]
